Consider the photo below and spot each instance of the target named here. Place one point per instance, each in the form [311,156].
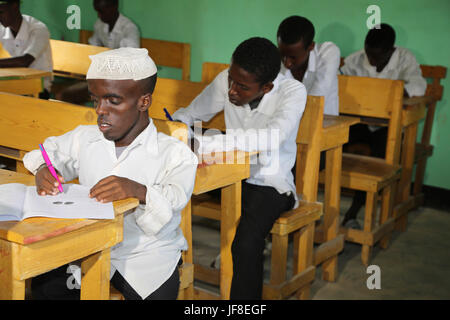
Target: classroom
[396,244]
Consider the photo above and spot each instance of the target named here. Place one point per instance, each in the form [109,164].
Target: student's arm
[94,40]
[62,152]
[207,104]
[17,62]
[327,70]
[415,84]
[172,191]
[133,37]
[283,123]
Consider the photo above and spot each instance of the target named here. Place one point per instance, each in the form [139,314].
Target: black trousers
[261,206]
[53,285]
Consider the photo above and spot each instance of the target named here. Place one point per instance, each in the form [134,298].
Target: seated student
[379,59]
[112,30]
[258,102]
[124,156]
[27,40]
[314,64]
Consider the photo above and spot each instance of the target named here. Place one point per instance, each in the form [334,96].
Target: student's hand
[46,184]
[114,188]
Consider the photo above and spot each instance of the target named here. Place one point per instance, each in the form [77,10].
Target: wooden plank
[95,271]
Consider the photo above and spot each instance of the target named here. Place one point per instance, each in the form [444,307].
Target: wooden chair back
[164,53]
[211,69]
[375,98]
[173,94]
[71,59]
[308,149]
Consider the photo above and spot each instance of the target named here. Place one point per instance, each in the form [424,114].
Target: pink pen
[50,167]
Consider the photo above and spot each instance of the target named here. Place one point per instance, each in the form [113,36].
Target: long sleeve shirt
[271,128]
[152,240]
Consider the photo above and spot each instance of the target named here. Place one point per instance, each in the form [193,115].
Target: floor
[416,265]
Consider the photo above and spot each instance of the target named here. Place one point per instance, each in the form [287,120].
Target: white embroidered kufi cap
[121,64]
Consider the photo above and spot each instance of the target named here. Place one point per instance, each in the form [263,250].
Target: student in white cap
[27,40]
[121,157]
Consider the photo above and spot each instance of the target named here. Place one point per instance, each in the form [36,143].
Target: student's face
[7,16]
[378,57]
[294,56]
[106,12]
[243,86]
[121,109]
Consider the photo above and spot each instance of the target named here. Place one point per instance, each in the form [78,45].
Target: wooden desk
[37,245]
[23,81]
[334,135]
[226,175]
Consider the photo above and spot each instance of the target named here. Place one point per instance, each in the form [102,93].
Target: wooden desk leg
[332,207]
[95,280]
[230,214]
[369,220]
[404,189]
[10,288]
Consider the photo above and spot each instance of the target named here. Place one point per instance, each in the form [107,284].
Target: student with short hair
[314,64]
[258,102]
[122,157]
[27,40]
[112,29]
[381,59]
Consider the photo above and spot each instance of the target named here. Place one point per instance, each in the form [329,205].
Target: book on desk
[19,202]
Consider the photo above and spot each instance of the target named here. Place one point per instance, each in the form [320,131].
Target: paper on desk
[18,202]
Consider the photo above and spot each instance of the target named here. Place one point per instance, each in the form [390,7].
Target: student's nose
[100,108]
[287,62]
[232,88]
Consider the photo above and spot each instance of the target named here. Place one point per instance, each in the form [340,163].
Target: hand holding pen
[48,182]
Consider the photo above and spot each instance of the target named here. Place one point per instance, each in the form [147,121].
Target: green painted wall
[215,27]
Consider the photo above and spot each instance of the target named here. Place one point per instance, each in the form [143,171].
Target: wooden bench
[22,129]
[164,53]
[71,59]
[381,99]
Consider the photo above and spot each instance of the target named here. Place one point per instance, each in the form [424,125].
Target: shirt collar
[312,59]
[264,107]
[391,65]
[148,137]
[23,31]
[117,25]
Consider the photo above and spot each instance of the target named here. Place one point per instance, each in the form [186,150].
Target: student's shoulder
[405,54]
[127,21]
[290,85]
[328,47]
[34,23]
[172,146]
[355,57]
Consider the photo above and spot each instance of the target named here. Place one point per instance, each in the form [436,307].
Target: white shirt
[33,38]
[401,66]
[320,78]
[277,116]
[124,34]
[152,239]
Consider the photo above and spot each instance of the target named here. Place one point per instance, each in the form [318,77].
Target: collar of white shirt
[265,107]
[21,35]
[392,64]
[148,137]
[117,26]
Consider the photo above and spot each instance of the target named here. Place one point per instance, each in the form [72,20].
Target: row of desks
[16,237]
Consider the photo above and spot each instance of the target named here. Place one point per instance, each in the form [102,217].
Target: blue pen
[167,114]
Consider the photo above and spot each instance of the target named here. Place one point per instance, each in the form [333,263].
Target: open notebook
[18,202]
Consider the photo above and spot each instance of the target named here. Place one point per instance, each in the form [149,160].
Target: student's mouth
[103,126]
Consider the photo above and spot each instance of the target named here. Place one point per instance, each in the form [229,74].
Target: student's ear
[145,102]
[266,88]
[311,46]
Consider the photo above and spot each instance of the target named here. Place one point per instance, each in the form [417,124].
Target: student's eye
[114,101]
